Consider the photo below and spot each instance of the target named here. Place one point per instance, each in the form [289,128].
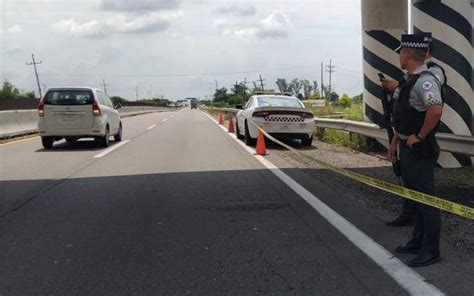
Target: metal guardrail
[447,142]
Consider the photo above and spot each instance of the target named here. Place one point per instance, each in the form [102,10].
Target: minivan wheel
[104,141]
[249,141]
[47,142]
[118,136]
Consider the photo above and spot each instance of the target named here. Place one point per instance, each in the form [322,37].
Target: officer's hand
[412,140]
[393,152]
[389,85]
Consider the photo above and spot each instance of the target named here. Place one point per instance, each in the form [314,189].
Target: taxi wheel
[237,131]
[249,141]
[307,141]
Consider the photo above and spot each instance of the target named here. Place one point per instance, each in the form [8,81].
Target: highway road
[180,207]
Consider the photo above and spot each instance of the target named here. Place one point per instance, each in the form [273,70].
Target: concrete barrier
[17,122]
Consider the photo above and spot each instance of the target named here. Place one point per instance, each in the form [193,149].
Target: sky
[179,48]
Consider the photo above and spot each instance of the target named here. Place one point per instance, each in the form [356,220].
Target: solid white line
[110,149]
[165,119]
[151,127]
[406,277]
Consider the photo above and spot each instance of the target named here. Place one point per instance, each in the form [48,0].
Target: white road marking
[110,149]
[165,119]
[406,277]
[172,116]
[151,127]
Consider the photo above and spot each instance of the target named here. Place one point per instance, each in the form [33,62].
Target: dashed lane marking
[110,149]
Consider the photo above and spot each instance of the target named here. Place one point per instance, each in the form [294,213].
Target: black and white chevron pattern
[379,57]
[450,22]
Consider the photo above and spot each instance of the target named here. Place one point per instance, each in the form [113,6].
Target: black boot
[402,220]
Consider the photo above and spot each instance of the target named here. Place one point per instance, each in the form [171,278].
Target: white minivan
[78,112]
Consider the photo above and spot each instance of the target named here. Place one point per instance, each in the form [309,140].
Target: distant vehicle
[78,112]
[280,114]
[194,104]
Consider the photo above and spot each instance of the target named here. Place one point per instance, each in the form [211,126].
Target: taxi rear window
[279,102]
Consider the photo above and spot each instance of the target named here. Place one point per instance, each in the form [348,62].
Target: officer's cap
[420,41]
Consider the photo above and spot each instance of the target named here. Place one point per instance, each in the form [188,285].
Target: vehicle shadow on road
[81,145]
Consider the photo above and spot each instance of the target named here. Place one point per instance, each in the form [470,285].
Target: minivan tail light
[41,108]
[96,109]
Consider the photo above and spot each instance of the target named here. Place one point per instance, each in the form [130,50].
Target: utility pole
[245,86]
[105,86]
[261,83]
[322,80]
[330,69]
[210,90]
[34,63]
[217,87]
[136,92]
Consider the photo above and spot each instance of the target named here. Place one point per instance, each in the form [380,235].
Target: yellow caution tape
[436,202]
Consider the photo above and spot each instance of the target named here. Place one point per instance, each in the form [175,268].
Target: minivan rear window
[69,97]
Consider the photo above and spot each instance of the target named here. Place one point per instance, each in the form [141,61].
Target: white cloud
[12,29]
[237,10]
[88,29]
[139,5]
[276,25]
[13,51]
[153,22]
[121,23]
[221,23]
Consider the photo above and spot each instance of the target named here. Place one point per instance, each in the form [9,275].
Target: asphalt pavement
[178,208]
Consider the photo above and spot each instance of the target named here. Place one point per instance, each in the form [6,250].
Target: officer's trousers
[419,175]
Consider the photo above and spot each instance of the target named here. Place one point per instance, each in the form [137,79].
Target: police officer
[406,217]
[417,109]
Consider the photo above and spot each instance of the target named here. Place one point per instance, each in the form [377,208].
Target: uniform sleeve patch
[429,96]
[427,85]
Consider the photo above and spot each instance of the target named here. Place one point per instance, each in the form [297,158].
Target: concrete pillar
[450,22]
[383,23]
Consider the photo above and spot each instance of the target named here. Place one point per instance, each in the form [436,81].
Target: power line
[348,70]
[187,74]
[34,63]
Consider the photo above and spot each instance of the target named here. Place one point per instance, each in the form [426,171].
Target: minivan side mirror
[118,106]
[239,106]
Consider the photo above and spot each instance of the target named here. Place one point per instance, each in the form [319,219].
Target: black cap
[420,41]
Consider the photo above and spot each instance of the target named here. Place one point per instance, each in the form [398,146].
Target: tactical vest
[405,119]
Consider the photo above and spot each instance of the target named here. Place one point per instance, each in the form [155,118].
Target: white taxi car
[78,112]
[281,115]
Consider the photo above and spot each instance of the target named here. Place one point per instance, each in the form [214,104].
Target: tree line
[303,89]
